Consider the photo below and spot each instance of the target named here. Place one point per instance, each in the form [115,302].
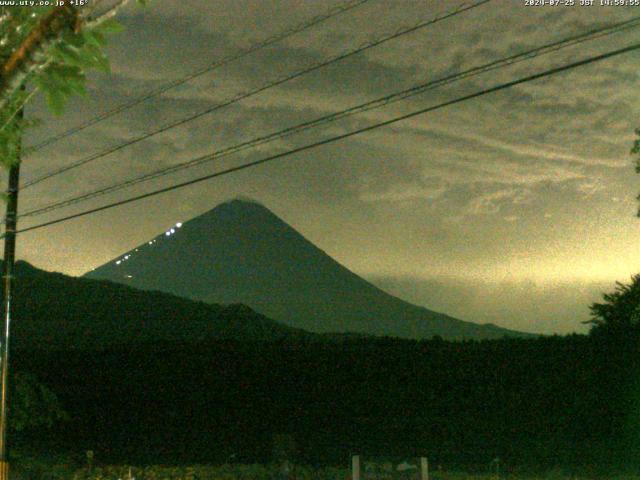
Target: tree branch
[18,108]
[107,14]
[24,59]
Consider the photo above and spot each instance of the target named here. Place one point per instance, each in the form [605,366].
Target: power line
[333,12]
[503,86]
[264,87]
[370,105]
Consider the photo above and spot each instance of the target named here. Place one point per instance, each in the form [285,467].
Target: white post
[355,467]
[424,468]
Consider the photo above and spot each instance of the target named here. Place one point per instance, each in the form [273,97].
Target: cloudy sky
[517,207]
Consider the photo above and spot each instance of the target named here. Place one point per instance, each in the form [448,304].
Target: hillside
[58,311]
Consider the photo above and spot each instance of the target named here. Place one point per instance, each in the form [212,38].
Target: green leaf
[73,39]
[102,62]
[69,55]
[109,26]
[77,86]
[56,101]
[97,39]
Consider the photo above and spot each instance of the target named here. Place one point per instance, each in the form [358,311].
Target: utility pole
[7,281]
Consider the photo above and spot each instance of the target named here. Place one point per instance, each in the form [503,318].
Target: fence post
[424,468]
[355,467]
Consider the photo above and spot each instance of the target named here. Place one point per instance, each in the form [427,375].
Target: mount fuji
[241,252]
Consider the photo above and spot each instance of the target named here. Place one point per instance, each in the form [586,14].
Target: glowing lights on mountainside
[168,233]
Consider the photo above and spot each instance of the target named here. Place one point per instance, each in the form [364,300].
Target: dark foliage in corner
[619,314]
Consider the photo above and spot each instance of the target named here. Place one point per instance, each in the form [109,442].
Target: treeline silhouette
[538,403]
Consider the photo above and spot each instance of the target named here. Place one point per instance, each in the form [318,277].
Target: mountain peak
[241,210]
[244,200]
[241,203]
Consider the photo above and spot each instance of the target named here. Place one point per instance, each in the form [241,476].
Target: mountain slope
[240,252]
[57,311]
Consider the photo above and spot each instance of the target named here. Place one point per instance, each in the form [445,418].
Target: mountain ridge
[53,311]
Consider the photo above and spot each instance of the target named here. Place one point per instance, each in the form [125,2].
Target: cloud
[429,188]
[493,201]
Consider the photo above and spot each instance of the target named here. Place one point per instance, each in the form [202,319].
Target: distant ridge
[241,252]
[56,311]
